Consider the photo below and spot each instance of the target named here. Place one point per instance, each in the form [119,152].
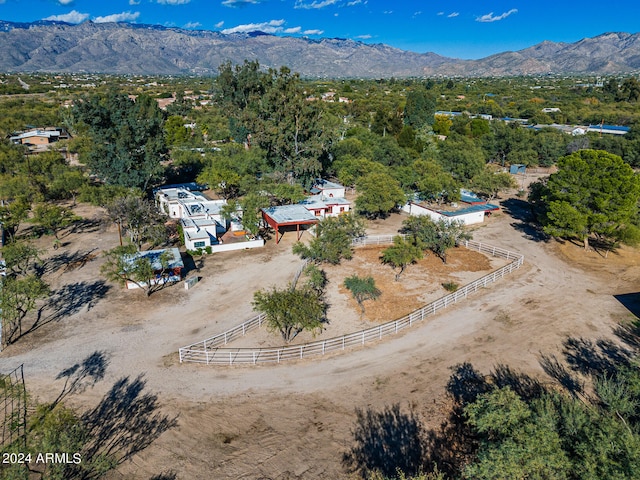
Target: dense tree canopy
[127,138]
[593,193]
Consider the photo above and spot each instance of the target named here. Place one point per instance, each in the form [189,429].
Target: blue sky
[454,28]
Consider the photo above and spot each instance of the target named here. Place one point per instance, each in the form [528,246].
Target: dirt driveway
[294,421]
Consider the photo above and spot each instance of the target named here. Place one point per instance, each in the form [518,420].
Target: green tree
[19,257]
[434,184]
[139,218]
[379,194]
[175,132]
[421,231]
[251,204]
[67,183]
[401,254]
[53,218]
[448,234]
[333,240]
[517,440]
[18,296]
[419,109]
[461,157]
[362,288]
[290,311]
[128,143]
[489,183]
[593,193]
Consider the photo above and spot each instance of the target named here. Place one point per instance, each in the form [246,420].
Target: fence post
[278,355]
[301,347]
[323,344]
[380,332]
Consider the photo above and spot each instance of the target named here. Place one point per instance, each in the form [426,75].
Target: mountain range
[124,48]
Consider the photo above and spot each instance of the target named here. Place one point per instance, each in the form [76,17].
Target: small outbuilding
[171,274]
[518,168]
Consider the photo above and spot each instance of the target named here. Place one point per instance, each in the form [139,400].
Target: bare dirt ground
[294,421]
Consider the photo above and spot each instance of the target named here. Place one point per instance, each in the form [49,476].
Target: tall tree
[128,138]
[593,193]
[139,218]
[419,109]
[379,194]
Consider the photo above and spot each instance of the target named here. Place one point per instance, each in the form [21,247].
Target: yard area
[294,421]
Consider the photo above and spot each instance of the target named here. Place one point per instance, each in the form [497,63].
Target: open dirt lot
[294,421]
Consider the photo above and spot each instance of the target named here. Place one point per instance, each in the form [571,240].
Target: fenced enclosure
[212,350]
[13,408]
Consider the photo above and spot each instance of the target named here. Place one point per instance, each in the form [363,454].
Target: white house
[327,199]
[468,216]
[328,189]
[201,219]
[323,206]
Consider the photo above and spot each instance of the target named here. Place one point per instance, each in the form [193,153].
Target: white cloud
[65,2]
[415,14]
[134,2]
[273,26]
[490,18]
[293,30]
[192,25]
[354,3]
[219,24]
[313,32]
[314,4]
[118,17]
[440,13]
[239,3]
[453,15]
[72,17]
[388,12]
[364,37]
[172,2]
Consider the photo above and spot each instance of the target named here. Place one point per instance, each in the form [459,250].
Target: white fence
[209,351]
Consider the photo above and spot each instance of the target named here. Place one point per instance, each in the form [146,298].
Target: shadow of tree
[556,370]
[629,333]
[70,299]
[170,475]
[68,260]
[82,375]
[125,422]
[600,358]
[455,443]
[520,210]
[385,442]
[87,225]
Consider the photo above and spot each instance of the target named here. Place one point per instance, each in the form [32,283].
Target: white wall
[467,219]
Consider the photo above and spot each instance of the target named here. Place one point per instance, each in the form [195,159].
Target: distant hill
[123,48]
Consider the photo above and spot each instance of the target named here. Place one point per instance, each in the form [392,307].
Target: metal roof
[290,214]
